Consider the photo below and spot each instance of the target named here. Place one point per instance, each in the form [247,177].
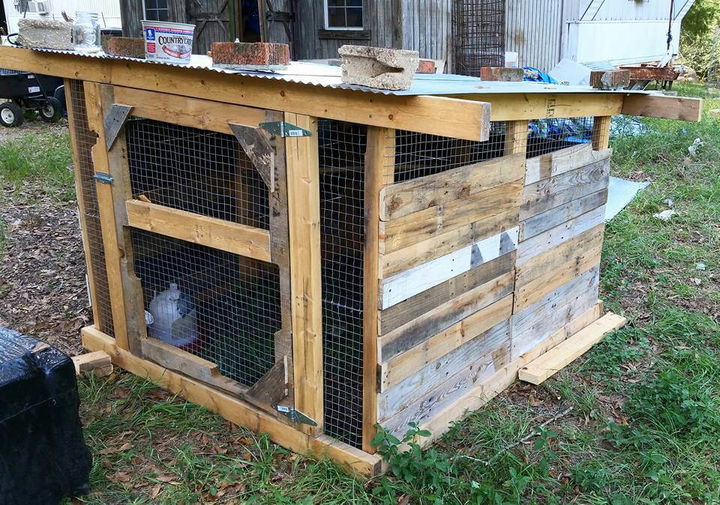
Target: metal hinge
[104,178]
[285,129]
[295,415]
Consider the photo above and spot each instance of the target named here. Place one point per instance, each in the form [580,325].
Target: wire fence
[478,35]
[548,135]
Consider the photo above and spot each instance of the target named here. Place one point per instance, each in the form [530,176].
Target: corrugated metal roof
[327,76]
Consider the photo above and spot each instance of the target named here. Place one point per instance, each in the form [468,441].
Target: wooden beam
[95,105]
[379,171]
[667,107]
[516,137]
[303,176]
[208,231]
[232,408]
[601,132]
[96,363]
[450,117]
[547,365]
[186,111]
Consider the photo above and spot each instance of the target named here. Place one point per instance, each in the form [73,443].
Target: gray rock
[45,33]
[378,67]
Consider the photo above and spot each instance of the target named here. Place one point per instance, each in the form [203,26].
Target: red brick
[610,79]
[426,67]
[245,53]
[504,74]
[126,46]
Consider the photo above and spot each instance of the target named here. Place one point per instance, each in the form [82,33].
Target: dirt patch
[30,127]
[42,271]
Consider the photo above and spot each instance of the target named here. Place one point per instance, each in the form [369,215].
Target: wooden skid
[547,365]
[233,409]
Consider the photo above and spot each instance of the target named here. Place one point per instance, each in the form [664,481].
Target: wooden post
[516,135]
[125,291]
[81,203]
[303,175]
[601,132]
[379,171]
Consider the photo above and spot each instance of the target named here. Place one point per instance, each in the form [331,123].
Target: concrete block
[45,33]
[503,74]
[378,67]
[261,55]
[126,46]
[610,79]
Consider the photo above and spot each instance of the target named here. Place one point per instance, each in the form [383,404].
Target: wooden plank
[437,270]
[443,316]
[547,365]
[379,171]
[232,408]
[433,375]
[549,219]
[667,107]
[186,363]
[601,132]
[414,307]
[403,365]
[438,220]
[81,203]
[451,117]
[516,106]
[256,145]
[106,208]
[208,231]
[488,389]
[415,195]
[516,137]
[564,160]
[559,190]
[186,111]
[303,176]
[96,363]
[543,318]
[553,237]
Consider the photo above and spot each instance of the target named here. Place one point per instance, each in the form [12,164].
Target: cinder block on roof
[378,67]
[45,33]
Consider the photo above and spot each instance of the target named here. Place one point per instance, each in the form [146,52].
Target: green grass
[38,164]
[645,415]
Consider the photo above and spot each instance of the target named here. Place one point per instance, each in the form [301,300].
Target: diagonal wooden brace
[114,121]
[258,149]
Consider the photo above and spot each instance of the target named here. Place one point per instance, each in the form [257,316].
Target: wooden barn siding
[534,29]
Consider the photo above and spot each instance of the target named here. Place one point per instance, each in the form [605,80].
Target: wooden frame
[469,272]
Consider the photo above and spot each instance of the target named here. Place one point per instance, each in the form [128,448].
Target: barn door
[279,17]
[212,20]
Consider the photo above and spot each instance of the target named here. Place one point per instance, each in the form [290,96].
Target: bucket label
[168,43]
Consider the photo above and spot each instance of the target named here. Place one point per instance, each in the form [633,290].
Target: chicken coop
[311,259]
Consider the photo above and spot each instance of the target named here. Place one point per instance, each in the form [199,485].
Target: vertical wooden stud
[303,175]
[601,132]
[516,135]
[80,195]
[379,171]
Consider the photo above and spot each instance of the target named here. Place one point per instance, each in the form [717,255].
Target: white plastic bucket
[170,42]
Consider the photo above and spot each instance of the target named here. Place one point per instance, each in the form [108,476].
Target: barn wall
[534,29]
[427,27]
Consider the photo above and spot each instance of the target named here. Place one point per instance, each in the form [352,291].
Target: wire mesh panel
[217,305]
[342,166]
[553,134]
[421,154]
[195,170]
[85,174]
[478,35]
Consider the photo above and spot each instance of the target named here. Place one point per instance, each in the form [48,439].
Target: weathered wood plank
[441,219]
[379,171]
[208,231]
[442,317]
[547,365]
[516,137]
[537,322]
[667,107]
[412,360]
[564,160]
[416,306]
[544,221]
[553,237]
[303,176]
[422,277]
[433,375]
[412,196]
[559,190]
[601,132]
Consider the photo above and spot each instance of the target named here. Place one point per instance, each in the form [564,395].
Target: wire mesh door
[209,247]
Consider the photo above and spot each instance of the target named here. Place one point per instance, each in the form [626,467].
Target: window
[344,14]
[157,10]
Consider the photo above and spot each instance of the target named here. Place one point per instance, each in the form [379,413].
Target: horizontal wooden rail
[185,111]
[208,231]
[667,107]
[450,117]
